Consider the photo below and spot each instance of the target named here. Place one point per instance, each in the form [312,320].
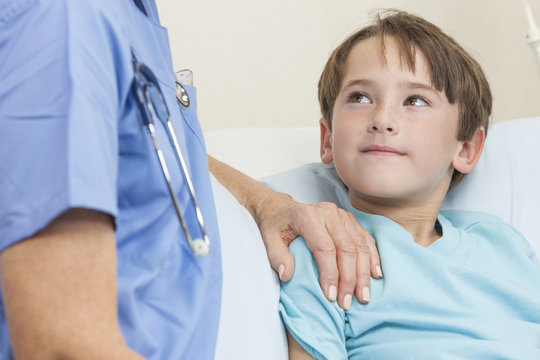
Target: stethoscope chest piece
[182,95]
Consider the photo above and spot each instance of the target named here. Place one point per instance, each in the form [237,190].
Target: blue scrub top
[72,137]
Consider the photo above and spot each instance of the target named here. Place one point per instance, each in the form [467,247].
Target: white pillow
[506,180]
[250,326]
[260,152]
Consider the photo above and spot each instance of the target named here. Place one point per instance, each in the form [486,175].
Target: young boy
[405,114]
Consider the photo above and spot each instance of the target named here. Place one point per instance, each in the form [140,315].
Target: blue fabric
[473,294]
[72,137]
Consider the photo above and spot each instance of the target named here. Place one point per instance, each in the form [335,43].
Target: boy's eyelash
[418,97]
[353,98]
[355,95]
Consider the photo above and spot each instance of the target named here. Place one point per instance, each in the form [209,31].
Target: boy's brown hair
[453,70]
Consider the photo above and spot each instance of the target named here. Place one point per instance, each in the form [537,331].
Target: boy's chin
[380,193]
[394,194]
[378,188]
[383,198]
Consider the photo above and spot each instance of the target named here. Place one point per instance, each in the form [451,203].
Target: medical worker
[109,246]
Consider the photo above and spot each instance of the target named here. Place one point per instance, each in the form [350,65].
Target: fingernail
[378,271]
[347,302]
[332,293]
[365,294]
[281,268]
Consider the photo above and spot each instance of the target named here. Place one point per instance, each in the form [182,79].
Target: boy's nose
[382,129]
[384,121]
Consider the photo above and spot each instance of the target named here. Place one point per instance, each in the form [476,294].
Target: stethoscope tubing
[199,246]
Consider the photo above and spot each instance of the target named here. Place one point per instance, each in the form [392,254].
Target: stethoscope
[151,101]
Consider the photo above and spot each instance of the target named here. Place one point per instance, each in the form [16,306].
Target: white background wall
[257,62]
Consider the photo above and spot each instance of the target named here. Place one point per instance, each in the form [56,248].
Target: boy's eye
[357,97]
[416,101]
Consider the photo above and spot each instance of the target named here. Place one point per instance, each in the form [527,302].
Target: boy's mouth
[381,150]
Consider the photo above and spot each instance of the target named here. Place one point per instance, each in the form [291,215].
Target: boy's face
[393,136]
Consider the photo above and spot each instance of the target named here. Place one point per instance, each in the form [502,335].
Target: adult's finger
[342,230]
[311,224]
[368,260]
[279,256]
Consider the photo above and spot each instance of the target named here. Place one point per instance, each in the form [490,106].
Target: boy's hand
[346,254]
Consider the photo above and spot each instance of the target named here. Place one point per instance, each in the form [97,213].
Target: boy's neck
[419,220]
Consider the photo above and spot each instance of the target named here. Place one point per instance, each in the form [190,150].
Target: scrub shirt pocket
[189,114]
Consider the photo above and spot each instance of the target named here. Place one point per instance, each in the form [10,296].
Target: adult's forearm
[249,192]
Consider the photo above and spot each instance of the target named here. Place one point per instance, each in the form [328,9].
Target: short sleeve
[316,324]
[59,114]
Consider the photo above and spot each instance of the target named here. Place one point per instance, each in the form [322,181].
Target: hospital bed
[505,182]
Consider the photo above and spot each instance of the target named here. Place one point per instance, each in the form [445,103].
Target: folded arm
[296,351]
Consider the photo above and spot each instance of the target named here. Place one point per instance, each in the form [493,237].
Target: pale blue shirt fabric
[72,137]
[473,294]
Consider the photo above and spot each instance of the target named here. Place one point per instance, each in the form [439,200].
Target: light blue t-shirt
[472,294]
[72,136]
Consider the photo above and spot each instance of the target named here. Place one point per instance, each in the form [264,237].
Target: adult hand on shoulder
[346,254]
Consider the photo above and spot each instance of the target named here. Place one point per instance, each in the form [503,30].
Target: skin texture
[394,142]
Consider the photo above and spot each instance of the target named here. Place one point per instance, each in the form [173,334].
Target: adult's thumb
[280,259]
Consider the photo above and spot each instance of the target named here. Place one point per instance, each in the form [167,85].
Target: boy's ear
[469,152]
[326,142]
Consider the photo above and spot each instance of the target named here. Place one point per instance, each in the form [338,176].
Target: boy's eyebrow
[364,82]
[416,85]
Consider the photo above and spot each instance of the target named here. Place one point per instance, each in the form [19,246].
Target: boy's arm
[296,351]
[346,254]
[59,290]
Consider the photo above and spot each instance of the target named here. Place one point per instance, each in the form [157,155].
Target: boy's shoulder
[489,227]
[476,222]
[464,219]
